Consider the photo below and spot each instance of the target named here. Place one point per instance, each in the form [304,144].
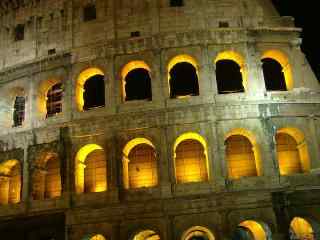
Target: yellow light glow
[5,167]
[98,237]
[255,228]
[180,59]
[192,168]
[42,95]
[134,142]
[128,68]
[302,148]
[80,164]
[83,77]
[255,146]
[302,228]
[284,62]
[197,231]
[147,235]
[236,57]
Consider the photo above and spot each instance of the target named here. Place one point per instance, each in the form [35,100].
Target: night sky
[307,16]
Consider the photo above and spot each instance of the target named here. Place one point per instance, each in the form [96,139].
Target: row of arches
[300,229]
[136,78]
[140,164]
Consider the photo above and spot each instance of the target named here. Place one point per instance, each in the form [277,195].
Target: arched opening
[273,75]
[19,111]
[251,230]
[89,12]
[46,178]
[301,229]
[10,182]
[91,169]
[231,73]
[90,89]
[277,71]
[140,167]
[292,151]
[229,77]
[197,233]
[96,237]
[146,235]
[94,92]
[54,100]
[183,77]
[138,85]
[242,154]
[190,158]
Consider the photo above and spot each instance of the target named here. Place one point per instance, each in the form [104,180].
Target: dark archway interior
[198,238]
[89,12]
[93,95]
[19,111]
[242,233]
[273,75]
[138,85]
[183,80]
[229,77]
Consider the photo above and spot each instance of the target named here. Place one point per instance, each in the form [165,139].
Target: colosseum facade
[156,119]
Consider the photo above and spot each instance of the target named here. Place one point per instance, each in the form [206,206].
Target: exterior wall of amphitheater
[169,209]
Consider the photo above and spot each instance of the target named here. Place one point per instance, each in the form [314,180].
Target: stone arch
[177,67]
[242,154]
[94,237]
[10,182]
[44,88]
[304,228]
[46,177]
[255,230]
[283,60]
[94,178]
[198,232]
[146,234]
[83,77]
[190,154]
[292,151]
[140,167]
[232,59]
[129,77]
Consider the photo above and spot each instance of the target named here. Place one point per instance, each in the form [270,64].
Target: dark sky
[307,16]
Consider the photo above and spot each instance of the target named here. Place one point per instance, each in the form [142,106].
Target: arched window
[10,182]
[277,71]
[91,169]
[146,235]
[301,229]
[191,162]
[46,178]
[183,80]
[18,111]
[240,157]
[54,100]
[97,237]
[273,75]
[229,77]
[197,233]
[89,12]
[138,85]
[140,167]
[252,230]
[292,151]
[94,92]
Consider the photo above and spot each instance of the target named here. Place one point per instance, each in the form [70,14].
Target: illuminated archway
[10,182]
[242,154]
[292,151]
[146,235]
[190,153]
[139,164]
[91,172]
[198,232]
[239,60]
[143,70]
[183,70]
[46,177]
[255,230]
[301,229]
[283,60]
[82,78]
[44,88]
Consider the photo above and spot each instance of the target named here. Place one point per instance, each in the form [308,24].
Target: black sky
[307,17]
